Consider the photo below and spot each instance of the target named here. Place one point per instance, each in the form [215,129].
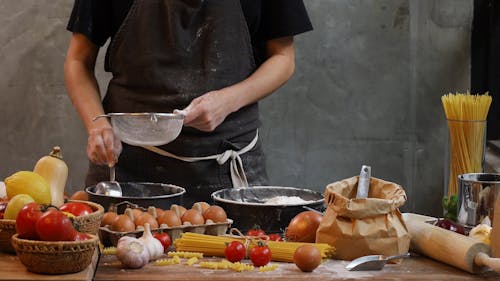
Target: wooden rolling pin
[451,248]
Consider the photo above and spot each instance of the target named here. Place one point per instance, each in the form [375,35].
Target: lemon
[15,205]
[30,183]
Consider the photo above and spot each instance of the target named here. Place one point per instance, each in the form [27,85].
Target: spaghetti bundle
[466,115]
[211,245]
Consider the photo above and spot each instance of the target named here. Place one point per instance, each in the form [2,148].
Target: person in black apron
[166,55]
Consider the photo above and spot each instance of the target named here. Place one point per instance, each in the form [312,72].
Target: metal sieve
[146,128]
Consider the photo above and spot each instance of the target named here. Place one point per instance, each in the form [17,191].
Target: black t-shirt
[266,19]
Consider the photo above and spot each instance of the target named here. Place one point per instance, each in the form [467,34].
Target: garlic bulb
[153,245]
[132,252]
[481,233]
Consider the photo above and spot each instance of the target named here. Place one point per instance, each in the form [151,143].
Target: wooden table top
[12,269]
[414,268]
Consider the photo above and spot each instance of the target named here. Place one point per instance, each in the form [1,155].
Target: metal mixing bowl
[247,206]
[147,128]
[142,194]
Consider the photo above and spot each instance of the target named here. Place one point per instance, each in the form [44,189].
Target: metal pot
[477,194]
[248,206]
[142,194]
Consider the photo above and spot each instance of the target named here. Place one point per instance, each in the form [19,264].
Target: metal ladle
[111,187]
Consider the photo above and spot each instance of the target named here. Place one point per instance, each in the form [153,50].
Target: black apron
[165,54]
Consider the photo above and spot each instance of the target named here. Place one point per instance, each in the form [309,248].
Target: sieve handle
[100,116]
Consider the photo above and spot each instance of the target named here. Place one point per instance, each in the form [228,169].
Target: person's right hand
[103,146]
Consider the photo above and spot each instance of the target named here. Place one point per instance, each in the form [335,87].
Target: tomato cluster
[36,222]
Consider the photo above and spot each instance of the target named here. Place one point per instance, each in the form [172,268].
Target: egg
[178,209]
[215,214]
[192,217]
[200,206]
[170,218]
[307,258]
[146,218]
[80,195]
[108,218]
[123,223]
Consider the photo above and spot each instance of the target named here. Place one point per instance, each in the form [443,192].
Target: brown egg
[215,214]
[136,213]
[123,223]
[108,218]
[307,258]
[193,217]
[169,218]
[178,209]
[200,206]
[146,218]
[80,195]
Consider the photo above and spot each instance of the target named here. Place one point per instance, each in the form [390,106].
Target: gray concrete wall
[366,90]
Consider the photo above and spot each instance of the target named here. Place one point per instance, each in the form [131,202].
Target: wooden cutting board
[12,269]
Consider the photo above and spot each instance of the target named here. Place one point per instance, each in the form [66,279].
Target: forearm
[83,91]
[271,75]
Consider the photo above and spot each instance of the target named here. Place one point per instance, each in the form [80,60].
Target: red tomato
[235,251]
[77,209]
[164,238]
[260,255]
[26,220]
[255,231]
[275,237]
[53,225]
[80,236]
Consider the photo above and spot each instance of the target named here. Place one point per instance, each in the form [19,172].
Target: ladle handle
[112,173]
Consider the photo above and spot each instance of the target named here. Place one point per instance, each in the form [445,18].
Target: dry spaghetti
[211,245]
[466,115]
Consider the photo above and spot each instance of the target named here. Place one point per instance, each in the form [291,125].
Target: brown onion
[303,226]
[307,257]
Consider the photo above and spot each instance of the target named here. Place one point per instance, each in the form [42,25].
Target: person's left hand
[207,112]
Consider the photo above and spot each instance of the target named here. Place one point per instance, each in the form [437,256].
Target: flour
[279,200]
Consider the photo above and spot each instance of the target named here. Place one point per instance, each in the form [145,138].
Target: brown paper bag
[360,227]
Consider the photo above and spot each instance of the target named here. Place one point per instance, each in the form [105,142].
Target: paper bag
[360,227]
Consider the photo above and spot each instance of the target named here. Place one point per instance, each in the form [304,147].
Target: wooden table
[12,269]
[415,268]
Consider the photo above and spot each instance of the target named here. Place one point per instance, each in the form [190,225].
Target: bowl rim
[146,114]
[215,196]
[183,191]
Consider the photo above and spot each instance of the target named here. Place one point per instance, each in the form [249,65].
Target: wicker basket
[7,229]
[55,257]
[89,223]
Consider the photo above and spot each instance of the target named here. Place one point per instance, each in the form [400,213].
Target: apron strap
[238,177]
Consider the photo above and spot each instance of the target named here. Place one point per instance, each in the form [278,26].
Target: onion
[302,227]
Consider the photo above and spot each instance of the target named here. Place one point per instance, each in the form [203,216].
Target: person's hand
[207,112]
[103,147]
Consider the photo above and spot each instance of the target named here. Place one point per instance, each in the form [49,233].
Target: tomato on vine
[275,237]
[255,231]
[164,239]
[26,220]
[260,255]
[235,251]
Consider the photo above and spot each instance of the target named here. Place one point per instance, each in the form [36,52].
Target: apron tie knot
[238,176]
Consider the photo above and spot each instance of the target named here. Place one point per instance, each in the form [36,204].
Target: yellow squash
[55,171]
[30,183]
